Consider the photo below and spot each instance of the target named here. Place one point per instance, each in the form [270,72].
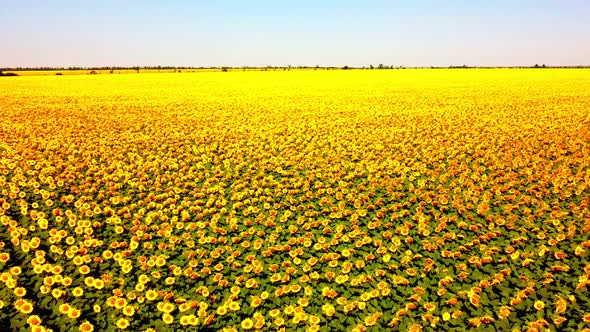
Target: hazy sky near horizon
[64,33]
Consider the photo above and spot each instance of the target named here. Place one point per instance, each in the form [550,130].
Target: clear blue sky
[303,32]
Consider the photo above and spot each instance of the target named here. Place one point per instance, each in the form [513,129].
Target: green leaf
[502,325]
[350,321]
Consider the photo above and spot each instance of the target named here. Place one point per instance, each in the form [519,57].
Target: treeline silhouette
[7,74]
[112,69]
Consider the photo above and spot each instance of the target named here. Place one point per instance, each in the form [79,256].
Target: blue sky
[304,32]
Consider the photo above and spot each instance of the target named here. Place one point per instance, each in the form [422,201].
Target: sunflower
[221,310]
[234,306]
[86,327]
[139,287]
[559,320]
[167,307]
[251,283]
[341,279]
[167,318]
[34,320]
[122,323]
[4,257]
[289,310]
[67,281]
[303,302]
[20,291]
[89,281]
[370,320]
[314,320]
[64,308]
[128,311]
[74,313]
[259,324]
[84,269]
[77,292]
[151,295]
[184,320]
[247,324]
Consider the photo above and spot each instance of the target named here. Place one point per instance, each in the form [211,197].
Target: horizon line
[370,66]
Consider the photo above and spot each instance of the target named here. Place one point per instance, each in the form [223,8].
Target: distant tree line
[111,69]
[7,74]
[98,68]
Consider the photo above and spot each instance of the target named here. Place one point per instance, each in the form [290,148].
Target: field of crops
[415,200]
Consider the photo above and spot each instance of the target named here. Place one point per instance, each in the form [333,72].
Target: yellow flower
[279,321]
[122,323]
[4,257]
[314,320]
[89,281]
[274,313]
[221,310]
[34,320]
[56,293]
[15,270]
[446,316]
[539,305]
[120,303]
[77,292]
[430,306]
[129,311]
[341,279]
[64,308]
[184,320]
[151,295]
[20,291]
[98,284]
[234,306]
[167,318]
[74,313]
[86,327]
[247,324]
[143,279]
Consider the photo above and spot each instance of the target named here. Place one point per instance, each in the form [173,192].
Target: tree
[7,74]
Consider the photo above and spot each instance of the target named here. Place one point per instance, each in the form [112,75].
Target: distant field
[297,200]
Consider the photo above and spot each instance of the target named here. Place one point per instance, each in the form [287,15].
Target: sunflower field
[361,200]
